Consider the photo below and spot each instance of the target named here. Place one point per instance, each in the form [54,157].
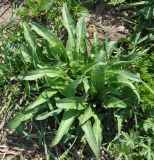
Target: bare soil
[6,12]
[108,21]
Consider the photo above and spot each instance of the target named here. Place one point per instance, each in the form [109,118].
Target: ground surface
[108,21]
[5,11]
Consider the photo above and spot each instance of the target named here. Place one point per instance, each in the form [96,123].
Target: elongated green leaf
[112,102]
[97,129]
[29,36]
[148,87]
[70,26]
[56,45]
[81,35]
[112,90]
[48,114]
[95,44]
[26,56]
[31,41]
[77,103]
[45,4]
[109,46]
[30,2]
[86,85]
[70,89]
[148,12]
[98,72]
[32,109]
[101,57]
[135,4]
[68,21]
[1,73]
[122,60]
[66,122]
[98,78]
[128,75]
[43,32]
[90,66]
[41,99]
[114,2]
[119,122]
[88,113]
[39,73]
[90,137]
[126,82]
[150,29]
[24,115]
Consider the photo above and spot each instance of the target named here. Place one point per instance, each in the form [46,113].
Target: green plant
[48,13]
[132,146]
[51,9]
[84,84]
[37,7]
[146,65]
[145,10]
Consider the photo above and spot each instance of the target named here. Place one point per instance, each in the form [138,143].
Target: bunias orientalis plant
[85,83]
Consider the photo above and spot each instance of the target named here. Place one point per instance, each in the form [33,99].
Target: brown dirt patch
[108,21]
[5,11]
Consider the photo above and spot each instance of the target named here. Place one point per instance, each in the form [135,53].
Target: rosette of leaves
[84,80]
